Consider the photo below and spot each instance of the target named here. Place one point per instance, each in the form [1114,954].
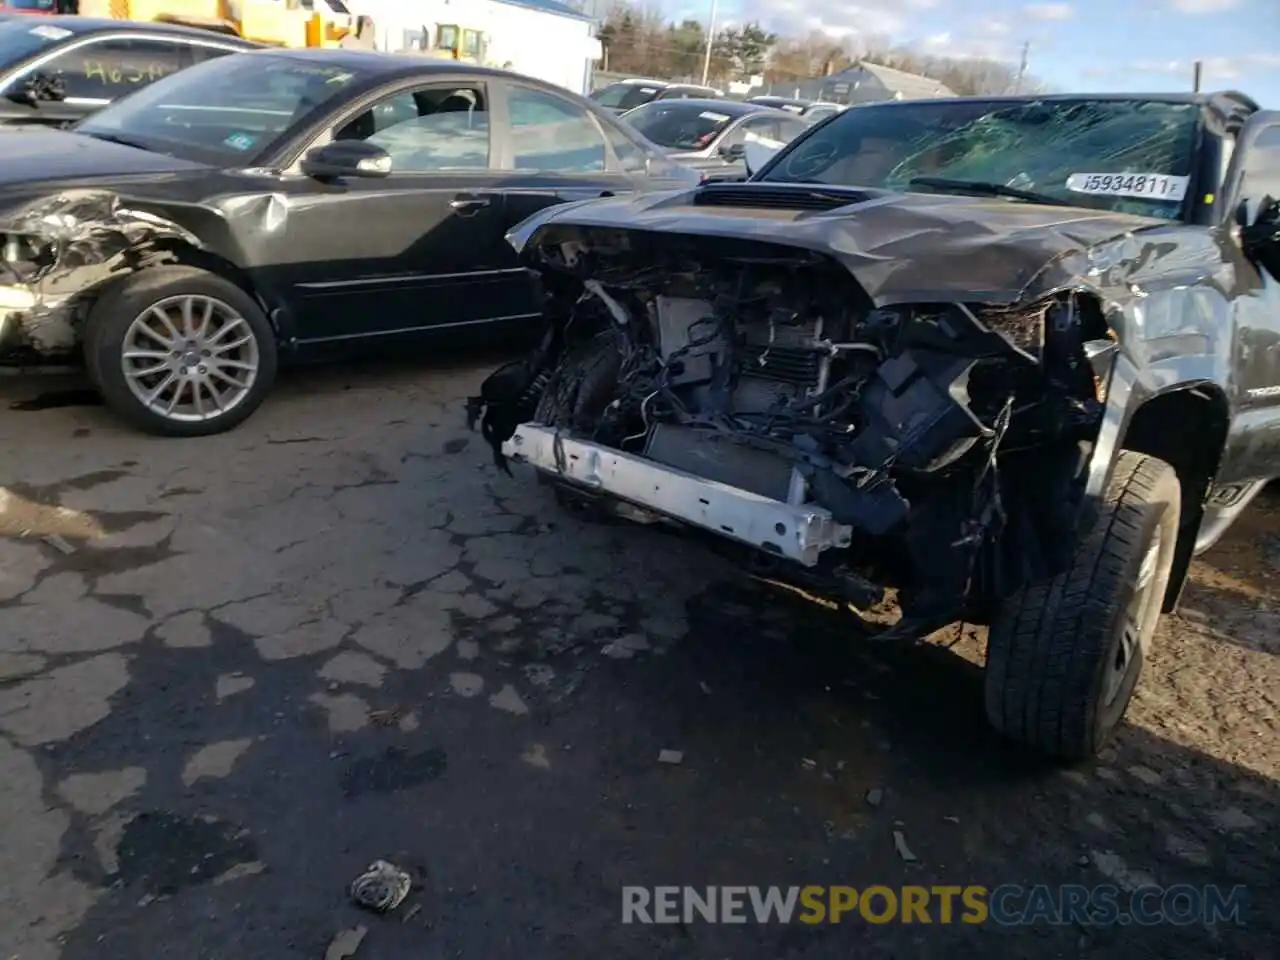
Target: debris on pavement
[670,756]
[382,887]
[59,543]
[388,717]
[536,756]
[875,796]
[900,844]
[705,689]
[951,819]
[412,912]
[346,943]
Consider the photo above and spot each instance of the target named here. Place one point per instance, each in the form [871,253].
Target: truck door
[1252,178]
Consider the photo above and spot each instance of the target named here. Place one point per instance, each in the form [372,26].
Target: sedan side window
[111,68]
[200,53]
[758,128]
[552,135]
[631,156]
[431,130]
[789,129]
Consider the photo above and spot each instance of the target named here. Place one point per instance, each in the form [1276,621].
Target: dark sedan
[56,70]
[628,94]
[268,204]
[789,104]
[711,135]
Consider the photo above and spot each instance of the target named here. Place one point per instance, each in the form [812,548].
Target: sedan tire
[1064,656]
[180,352]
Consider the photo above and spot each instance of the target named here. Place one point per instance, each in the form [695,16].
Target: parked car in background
[712,135]
[288,203]
[628,94]
[56,70]
[789,104]
[820,111]
[37,7]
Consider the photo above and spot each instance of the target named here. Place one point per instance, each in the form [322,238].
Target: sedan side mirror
[36,88]
[346,158]
[734,152]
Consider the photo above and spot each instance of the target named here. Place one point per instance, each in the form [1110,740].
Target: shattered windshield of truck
[1130,156]
[221,110]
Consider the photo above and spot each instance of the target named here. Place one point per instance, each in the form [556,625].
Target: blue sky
[1086,45]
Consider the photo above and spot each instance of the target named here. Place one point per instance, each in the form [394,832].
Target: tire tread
[1045,642]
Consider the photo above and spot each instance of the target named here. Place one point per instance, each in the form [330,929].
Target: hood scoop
[777,196]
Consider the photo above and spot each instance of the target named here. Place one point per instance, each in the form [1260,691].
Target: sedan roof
[375,63]
[82,26]
[770,100]
[730,108]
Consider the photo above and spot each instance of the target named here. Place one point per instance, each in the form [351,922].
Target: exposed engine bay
[755,392]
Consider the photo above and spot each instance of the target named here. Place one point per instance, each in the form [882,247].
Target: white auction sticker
[1146,186]
[717,117]
[46,32]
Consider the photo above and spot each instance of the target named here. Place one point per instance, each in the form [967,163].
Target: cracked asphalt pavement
[234,671]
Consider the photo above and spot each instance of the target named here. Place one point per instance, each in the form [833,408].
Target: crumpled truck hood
[901,247]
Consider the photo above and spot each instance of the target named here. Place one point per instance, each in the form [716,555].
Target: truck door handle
[466,203]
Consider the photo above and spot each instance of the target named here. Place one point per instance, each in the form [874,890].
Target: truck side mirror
[1261,239]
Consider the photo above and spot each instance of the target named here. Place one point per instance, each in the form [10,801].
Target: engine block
[775,360]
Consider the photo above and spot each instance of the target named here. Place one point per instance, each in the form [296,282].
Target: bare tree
[639,41]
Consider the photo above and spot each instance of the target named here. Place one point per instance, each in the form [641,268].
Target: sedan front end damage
[56,250]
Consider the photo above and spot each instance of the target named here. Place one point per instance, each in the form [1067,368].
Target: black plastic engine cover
[915,412]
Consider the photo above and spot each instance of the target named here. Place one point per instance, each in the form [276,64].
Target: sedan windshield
[223,110]
[678,126]
[1131,156]
[624,96]
[24,37]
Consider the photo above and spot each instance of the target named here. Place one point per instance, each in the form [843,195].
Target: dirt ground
[234,671]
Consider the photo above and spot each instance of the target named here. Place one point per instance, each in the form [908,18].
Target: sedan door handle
[466,203]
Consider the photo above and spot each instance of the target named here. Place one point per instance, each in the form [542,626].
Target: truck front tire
[1064,655]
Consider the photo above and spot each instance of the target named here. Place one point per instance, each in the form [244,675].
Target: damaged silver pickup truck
[1017,360]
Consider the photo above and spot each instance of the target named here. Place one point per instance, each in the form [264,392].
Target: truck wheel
[1064,655]
[180,352]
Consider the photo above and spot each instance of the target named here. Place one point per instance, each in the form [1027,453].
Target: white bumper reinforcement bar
[797,531]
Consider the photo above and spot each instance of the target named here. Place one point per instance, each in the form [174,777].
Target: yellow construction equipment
[283,23]
[453,42]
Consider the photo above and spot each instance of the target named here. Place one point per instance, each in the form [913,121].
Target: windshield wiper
[118,138]
[983,189]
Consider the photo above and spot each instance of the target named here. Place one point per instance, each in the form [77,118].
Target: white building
[546,39]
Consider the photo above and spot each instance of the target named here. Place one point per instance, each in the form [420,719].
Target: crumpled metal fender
[91,236]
